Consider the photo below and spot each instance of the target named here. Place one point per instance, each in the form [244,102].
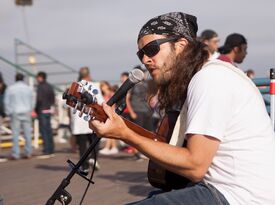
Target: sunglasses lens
[140,54]
[149,50]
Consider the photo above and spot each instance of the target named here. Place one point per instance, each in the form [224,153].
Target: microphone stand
[60,194]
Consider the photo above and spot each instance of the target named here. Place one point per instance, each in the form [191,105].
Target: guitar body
[158,176]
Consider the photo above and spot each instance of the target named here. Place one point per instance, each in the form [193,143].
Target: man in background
[2,91]
[211,39]
[80,128]
[18,105]
[2,110]
[45,99]
[123,77]
[234,49]
[250,73]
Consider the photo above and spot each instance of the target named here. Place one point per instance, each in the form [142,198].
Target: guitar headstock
[82,96]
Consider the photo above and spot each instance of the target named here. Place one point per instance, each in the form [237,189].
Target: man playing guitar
[230,152]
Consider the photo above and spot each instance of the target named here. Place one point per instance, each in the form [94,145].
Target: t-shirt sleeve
[209,101]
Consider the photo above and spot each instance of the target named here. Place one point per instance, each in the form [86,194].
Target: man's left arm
[191,161]
[202,148]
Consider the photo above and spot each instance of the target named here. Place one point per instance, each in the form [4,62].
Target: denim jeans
[46,132]
[18,120]
[195,194]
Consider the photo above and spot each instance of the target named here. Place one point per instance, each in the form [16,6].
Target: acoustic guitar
[81,97]
[158,176]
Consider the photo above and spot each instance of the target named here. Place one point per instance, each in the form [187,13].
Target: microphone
[135,76]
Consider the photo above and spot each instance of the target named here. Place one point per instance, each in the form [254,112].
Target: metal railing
[33,60]
[263,85]
[267,89]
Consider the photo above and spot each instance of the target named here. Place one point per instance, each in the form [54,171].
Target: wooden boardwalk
[120,179]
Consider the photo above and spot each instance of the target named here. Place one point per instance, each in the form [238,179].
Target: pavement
[121,179]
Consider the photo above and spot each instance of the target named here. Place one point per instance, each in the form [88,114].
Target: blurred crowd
[21,104]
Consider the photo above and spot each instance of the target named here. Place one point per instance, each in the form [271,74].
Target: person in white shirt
[19,103]
[79,127]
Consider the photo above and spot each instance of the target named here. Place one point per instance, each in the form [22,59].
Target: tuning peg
[84,82]
[88,116]
[95,91]
[65,95]
[82,111]
[80,89]
[75,108]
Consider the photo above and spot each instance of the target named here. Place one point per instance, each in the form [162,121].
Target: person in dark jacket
[44,101]
[2,91]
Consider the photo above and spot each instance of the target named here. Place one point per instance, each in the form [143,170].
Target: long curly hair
[186,65]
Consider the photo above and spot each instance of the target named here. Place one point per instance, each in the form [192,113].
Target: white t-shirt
[78,124]
[224,105]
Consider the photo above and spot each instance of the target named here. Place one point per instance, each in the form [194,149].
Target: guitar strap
[178,134]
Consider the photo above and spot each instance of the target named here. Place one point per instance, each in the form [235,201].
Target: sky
[102,34]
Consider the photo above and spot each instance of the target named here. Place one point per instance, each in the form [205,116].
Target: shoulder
[39,86]
[48,85]
[215,71]
[11,88]
[45,85]
[215,76]
[24,85]
[7,90]
[29,88]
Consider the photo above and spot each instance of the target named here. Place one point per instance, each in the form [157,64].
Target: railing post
[272,96]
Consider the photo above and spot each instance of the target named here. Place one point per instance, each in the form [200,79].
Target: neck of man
[231,56]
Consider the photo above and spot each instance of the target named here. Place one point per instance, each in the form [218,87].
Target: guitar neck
[141,131]
[101,116]
[80,99]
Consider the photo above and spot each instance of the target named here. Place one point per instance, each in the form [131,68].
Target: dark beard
[165,78]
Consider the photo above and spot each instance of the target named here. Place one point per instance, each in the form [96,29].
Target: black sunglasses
[151,49]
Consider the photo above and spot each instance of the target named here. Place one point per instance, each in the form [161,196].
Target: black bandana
[171,24]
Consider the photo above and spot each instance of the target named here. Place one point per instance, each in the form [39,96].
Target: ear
[180,45]
[206,42]
[236,49]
